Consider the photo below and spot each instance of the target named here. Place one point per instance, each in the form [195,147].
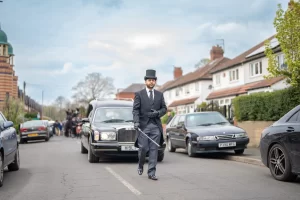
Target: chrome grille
[225,137]
[126,135]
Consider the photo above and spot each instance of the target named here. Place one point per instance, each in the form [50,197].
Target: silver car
[34,130]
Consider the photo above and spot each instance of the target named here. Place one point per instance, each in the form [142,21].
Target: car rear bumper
[34,135]
[116,149]
[213,146]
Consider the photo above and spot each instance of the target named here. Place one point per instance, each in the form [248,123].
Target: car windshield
[205,119]
[113,115]
[33,123]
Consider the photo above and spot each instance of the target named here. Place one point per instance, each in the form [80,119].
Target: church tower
[8,80]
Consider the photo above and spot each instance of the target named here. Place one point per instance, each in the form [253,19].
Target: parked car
[280,146]
[9,147]
[34,130]
[109,131]
[203,132]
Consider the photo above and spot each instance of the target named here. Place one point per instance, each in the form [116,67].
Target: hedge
[265,106]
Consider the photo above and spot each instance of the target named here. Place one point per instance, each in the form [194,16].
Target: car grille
[225,137]
[126,135]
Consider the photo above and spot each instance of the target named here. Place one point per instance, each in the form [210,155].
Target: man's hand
[136,126]
[153,114]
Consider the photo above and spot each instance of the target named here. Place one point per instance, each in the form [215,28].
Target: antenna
[223,44]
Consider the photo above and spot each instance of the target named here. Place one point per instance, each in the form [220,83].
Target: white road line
[128,185]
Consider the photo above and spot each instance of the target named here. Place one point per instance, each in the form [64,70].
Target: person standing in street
[148,107]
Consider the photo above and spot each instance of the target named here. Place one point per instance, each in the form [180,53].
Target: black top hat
[150,74]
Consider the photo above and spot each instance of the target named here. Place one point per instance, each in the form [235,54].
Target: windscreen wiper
[221,123]
[131,120]
[207,124]
[113,120]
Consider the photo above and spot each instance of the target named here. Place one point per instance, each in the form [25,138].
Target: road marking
[128,185]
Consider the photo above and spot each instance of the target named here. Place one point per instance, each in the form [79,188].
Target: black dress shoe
[140,171]
[153,177]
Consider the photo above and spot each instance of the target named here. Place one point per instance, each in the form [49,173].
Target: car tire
[277,156]
[170,146]
[15,166]
[83,150]
[22,141]
[239,152]
[160,157]
[1,170]
[190,148]
[91,157]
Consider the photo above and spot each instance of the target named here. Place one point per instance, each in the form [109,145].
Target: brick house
[130,90]
[245,73]
[184,92]
[8,79]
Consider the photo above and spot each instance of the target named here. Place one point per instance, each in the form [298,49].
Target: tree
[60,100]
[14,111]
[94,86]
[288,35]
[202,62]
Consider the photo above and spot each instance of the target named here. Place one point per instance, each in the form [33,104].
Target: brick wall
[125,95]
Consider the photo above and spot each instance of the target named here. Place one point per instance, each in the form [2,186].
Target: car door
[181,133]
[171,131]
[293,141]
[6,135]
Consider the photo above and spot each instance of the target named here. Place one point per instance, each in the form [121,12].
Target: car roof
[111,103]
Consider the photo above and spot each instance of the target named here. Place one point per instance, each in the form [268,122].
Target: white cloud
[144,41]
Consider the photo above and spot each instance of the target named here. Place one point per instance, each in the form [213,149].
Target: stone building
[8,79]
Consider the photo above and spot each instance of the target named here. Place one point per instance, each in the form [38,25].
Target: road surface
[56,170]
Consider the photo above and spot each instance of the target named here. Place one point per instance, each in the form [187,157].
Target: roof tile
[183,102]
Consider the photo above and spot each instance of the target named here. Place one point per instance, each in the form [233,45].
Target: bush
[165,117]
[265,106]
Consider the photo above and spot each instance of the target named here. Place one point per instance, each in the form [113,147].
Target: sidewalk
[250,156]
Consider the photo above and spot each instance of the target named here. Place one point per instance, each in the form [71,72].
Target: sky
[57,43]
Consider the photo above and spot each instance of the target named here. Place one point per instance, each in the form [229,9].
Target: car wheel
[15,166]
[1,169]
[170,146]
[83,149]
[239,152]
[91,157]
[279,164]
[161,157]
[190,148]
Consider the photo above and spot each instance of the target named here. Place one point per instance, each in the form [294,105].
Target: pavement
[56,170]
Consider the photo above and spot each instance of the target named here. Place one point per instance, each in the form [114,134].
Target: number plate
[33,135]
[228,144]
[129,148]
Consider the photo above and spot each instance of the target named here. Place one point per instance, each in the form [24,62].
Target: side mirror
[85,120]
[231,121]
[8,124]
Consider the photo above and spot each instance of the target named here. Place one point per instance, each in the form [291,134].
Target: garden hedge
[265,106]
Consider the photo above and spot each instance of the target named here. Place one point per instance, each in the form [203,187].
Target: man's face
[150,83]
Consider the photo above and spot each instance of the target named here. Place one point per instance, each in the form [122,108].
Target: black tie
[151,96]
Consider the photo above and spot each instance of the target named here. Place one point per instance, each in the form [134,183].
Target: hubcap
[277,161]
[169,144]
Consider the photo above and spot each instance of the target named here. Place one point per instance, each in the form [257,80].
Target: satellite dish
[210,87]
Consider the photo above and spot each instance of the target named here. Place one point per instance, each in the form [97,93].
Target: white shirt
[148,92]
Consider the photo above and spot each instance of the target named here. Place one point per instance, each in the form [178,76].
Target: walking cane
[148,137]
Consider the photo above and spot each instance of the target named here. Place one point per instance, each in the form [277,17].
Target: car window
[199,119]
[175,121]
[181,120]
[113,115]
[294,118]
[2,119]
[33,123]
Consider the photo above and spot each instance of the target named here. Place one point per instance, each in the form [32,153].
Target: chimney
[177,72]
[216,52]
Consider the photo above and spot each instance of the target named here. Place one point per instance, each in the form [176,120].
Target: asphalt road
[56,170]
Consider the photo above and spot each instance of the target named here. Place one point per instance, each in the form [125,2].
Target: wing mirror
[85,120]
[8,124]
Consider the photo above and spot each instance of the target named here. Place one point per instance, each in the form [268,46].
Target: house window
[281,63]
[187,89]
[234,75]
[177,91]
[218,79]
[256,68]
[197,86]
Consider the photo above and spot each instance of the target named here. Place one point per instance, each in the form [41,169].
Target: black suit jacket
[142,106]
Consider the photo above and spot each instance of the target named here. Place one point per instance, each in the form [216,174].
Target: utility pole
[42,104]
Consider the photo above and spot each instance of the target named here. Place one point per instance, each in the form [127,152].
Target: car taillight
[23,130]
[42,128]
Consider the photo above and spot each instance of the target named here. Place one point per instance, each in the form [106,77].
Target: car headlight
[96,135]
[108,136]
[206,138]
[240,135]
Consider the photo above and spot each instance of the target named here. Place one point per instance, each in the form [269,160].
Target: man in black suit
[148,107]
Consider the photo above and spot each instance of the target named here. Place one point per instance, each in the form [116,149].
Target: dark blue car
[9,147]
